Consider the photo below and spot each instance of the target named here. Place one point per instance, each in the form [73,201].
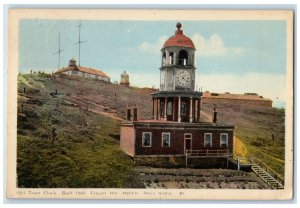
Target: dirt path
[102,108]
[107,114]
[205,116]
[272,157]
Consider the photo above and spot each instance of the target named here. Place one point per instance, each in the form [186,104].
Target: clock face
[183,78]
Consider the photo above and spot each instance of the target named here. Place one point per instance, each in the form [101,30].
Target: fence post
[186,159]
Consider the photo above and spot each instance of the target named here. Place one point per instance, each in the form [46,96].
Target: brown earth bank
[198,178]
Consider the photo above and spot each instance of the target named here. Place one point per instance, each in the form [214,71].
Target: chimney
[215,116]
[128,114]
[134,113]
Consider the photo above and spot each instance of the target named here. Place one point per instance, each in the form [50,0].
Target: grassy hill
[254,128]
[64,144]
[67,126]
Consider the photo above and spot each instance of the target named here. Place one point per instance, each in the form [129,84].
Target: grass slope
[60,144]
[254,128]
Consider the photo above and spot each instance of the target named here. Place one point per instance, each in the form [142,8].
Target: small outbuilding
[125,79]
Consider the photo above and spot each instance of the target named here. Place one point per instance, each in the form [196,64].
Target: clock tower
[175,129]
[177,99]
[178,63]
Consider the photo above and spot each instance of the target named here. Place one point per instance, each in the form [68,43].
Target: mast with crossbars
[79,41]
[58,51]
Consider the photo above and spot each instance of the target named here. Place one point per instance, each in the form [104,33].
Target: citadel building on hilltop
[75,70]
[176,128]
[250,99]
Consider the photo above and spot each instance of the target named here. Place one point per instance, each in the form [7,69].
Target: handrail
[256,161]
[243,160]
[269,170]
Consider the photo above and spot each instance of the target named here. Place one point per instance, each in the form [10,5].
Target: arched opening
[171,58]
[183,58]
[164,58]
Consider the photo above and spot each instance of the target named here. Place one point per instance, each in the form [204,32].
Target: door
[187,142]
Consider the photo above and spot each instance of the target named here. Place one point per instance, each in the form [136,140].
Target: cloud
[271,86]
[147,47]
[213,46]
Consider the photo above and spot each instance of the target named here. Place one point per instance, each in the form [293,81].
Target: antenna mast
[58,51]
[79,41]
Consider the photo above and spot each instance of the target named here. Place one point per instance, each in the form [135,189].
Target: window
[207,139]
[165,139]
[224,140]
[183,108]
[164,58]
[183,57]
[187,136]
[187,142]
[169,109]
[147,139]
[74,72]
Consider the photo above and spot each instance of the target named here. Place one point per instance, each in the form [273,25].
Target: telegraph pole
[58,51]
[79,41]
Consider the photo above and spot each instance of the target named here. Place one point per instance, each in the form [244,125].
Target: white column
[165,110]
[158,109]
[174,59]
[167,58]
[191,109]
[179,106]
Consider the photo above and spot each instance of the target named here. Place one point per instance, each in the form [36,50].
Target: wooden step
[263,174]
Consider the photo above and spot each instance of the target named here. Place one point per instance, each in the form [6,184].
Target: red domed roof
[179,39]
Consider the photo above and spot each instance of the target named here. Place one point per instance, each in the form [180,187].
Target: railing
[255,161]
[243,160]
[269,170]
[207,153]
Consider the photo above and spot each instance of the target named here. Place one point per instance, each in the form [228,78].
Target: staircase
[264,175]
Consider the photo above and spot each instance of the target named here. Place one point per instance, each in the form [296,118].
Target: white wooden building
[81,71]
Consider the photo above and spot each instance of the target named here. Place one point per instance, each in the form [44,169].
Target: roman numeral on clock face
[183,78]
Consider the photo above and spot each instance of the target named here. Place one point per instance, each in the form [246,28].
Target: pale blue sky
[228,52]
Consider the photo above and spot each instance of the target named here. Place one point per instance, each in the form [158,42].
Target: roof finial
[178,25]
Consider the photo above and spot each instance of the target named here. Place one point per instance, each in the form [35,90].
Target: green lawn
[80,153]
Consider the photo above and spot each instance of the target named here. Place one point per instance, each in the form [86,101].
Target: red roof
[179,39]
[83,69]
